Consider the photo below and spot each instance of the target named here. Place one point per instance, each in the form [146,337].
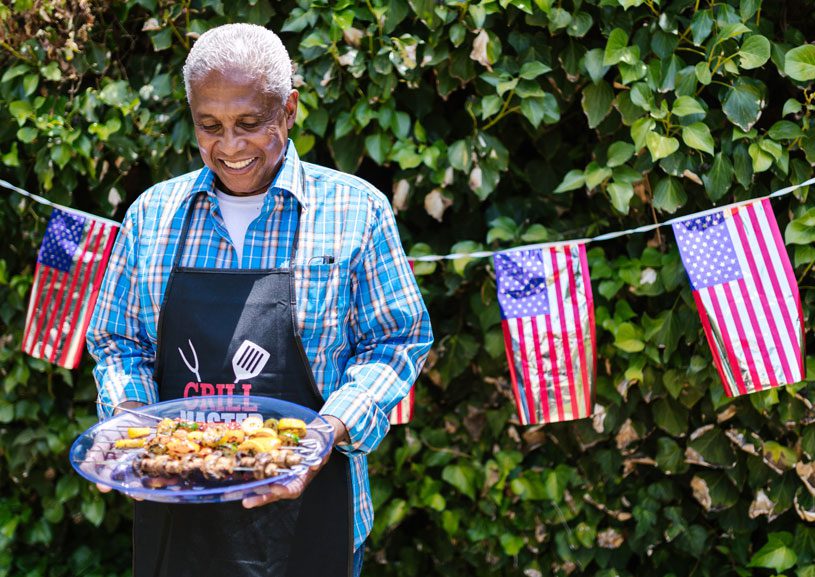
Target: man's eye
[249,125]
[210,127]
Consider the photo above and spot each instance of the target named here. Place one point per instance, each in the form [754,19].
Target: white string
[46,202]
[608,235]
[482,253]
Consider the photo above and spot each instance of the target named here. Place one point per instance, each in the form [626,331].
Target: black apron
[214,311]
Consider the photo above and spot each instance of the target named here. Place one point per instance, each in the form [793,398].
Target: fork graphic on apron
[192,368]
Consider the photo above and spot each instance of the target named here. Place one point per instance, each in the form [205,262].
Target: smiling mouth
[239,164]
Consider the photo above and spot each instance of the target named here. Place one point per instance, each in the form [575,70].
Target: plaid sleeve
[393,336]
[116,337]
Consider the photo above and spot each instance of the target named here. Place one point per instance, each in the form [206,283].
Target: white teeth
[238,165]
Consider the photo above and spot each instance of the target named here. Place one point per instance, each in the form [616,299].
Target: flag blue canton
[61,240]
[521,279]
[707,250]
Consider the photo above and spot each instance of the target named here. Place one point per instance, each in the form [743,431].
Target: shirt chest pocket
[323,296]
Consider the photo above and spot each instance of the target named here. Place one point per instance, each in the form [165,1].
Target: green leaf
[596,174]
[535,233]
[573,180]
[777,554]
[377,146]
[30,83]
[670,457]
[701,26]
[615,47]
[593,61]
[703,74]
[459,155]
[619,153]
[686,105]
[541,109]
[621,194]
[628,338]
[698,136]
[61,154]
[802,229]
[596,102]
[511,544]
[669,194]
[27,134]
[754,52]
[640,131]
[718,180]
[13,72]
[51,72]
[785,130]
[660,146]
[743,104]
[93,509]
[462,477]
[791,106]
[671,417]
[531,70]
[799,63]
[762,160]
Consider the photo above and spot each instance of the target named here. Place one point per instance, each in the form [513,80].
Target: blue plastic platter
[94,458]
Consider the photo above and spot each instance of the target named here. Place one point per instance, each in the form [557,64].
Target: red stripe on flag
[762,346]
[728,346]
[34,305]
[533,416]
[68,306]
[50,273]
[564,334]
[765,305]
[581,346]
[543,390]
[793,283]
[64,360]
[717,360]
[512,375]
[771,273]
[555,375]
[584,269]
[743,340]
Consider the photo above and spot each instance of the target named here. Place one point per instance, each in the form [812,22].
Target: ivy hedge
[491,124]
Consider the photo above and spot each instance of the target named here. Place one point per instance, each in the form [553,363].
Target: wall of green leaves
[492,123]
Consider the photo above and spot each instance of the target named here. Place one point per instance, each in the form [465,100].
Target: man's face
[242,131]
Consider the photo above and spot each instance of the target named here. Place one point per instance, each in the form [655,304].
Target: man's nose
[231,142]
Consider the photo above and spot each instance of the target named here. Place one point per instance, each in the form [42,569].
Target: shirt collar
[290,178]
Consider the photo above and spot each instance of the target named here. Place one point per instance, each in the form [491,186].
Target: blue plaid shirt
[364,326]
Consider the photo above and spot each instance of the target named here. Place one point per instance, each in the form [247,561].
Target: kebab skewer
[184,449]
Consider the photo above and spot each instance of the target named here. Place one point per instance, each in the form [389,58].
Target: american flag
[70,266]
[746,294]
[402,413]
[547,314]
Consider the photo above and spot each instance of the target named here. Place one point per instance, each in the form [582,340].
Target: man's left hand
[296,488]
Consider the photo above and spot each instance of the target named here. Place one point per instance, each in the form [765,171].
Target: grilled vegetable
[129,444]
[295,426]
[138,432]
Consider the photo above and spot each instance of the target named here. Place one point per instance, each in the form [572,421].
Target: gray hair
[247,47]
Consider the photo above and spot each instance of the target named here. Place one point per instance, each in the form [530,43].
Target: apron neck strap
[185,229]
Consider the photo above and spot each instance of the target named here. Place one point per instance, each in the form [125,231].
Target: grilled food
[214,451]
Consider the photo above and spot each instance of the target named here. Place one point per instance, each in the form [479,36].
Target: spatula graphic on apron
[249,360]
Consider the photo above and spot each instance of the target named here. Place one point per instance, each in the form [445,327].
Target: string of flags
[742,280]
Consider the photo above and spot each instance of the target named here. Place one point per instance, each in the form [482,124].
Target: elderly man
[303,261]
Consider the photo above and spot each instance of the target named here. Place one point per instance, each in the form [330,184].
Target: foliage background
[491,123]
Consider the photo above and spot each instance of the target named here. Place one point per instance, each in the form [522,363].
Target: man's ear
[291,108]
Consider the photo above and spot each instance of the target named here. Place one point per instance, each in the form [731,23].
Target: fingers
[103,488]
